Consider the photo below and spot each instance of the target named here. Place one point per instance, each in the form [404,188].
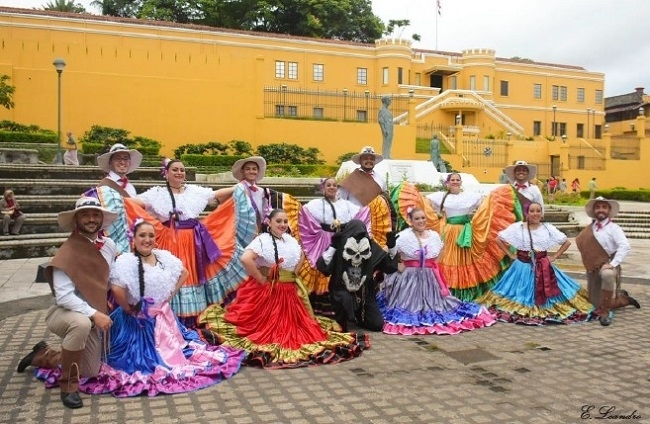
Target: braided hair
[272,214]
[442,203]
[138,306]
[172,213]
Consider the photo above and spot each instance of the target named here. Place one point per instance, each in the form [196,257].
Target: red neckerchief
[123,181]
[520,186]
[600,225]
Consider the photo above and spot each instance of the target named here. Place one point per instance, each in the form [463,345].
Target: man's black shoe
[27,360]
[72,400]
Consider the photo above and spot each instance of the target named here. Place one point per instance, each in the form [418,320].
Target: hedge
[617,194]
[205,160]
[95,148]
[28,137]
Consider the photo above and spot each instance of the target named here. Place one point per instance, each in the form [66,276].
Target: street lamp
[563,138]
[59,64]
[554,110]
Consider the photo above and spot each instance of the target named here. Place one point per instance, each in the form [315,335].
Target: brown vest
[362,186]
[592,253]
[115,186]
[86,267]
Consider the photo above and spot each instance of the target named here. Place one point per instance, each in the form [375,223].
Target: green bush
[289,153]
[28,137]
[291,170]
[205,160]
[91,148]
[107,136]
[618,194]
[16,127]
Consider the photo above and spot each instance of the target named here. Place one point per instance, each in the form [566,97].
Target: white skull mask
[355,252]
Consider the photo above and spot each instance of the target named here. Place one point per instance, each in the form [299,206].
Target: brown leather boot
[69,380]
[605,305]
[624,299]
[40,356]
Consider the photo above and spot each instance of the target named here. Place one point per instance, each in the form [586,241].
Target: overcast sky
[608,36]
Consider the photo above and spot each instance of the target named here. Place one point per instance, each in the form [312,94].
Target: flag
[439,7]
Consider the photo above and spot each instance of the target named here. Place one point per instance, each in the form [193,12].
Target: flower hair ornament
[163,168]
[130,233]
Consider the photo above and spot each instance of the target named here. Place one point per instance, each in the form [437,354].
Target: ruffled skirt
[276,326]
[513,298]
[155,355]
[415,301]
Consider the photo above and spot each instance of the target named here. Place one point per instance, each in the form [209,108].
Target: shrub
[289,153]
[107,136]
[345,157]
[205,160]
[28,137]
[92,148]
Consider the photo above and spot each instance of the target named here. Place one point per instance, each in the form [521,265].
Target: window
[537,128]
[418,78]
[580,130]
[400,75]
[581,95]
[562,129]
[486,83]
[318,113]
[556,92]
[563,92]
[598,129]
[293,70]
[472,82]
[293,111]
[362,115]
[362,76]
[504,88]
[290,110]
[599,96]
[537,91]
[581,162]
[279,110]
[452,82]
[319,72]
[279,69]
[384,76]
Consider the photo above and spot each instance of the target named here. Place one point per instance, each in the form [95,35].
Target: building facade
[184,84]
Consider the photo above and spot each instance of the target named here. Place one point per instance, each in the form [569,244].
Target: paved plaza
[506,373]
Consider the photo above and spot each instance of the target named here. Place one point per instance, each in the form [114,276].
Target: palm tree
[65,6]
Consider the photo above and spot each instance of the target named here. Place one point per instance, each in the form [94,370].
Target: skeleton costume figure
[350,262]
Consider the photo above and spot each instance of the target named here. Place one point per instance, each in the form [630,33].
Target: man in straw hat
[603,246]
[117,163]
[363,184]
[249,171]
[520,175]
[78,276]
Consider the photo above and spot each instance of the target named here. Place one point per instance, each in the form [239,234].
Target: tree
[351,20]
[6,92]
[65,6]
[399,25]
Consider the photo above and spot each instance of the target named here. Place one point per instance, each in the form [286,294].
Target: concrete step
[82,172]
[22,246]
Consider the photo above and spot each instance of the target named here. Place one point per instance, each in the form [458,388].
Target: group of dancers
[165,301]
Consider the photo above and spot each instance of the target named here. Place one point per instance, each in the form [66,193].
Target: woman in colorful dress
[208,247]
[416,300]
[150,351]
[470,260]
[318,220]
[271,317]
[533,290]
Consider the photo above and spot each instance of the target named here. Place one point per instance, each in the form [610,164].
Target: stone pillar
[564,158]
[607,145]
[460,149]
[412,119]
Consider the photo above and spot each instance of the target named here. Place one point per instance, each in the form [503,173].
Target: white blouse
[159,280]
[409,248]
[544,237]
[288,248]
[190,203]
[463,203]
[322,211]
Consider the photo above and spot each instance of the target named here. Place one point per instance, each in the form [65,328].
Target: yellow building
[186,84]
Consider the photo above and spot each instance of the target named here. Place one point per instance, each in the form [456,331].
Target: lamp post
[59,64]
[553,129]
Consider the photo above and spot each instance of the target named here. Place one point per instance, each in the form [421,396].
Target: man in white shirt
[603,247]
[363,184]
[118,163]
[520,174]
[78,276]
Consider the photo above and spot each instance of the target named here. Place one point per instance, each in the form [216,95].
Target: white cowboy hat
[238,171]
[510,170]
[104,160]
[66,218]
[614,206]
[367,150]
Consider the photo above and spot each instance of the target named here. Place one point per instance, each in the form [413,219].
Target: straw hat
[510,170]
[238,171]
[367,150]
[104,160]
[614,207]
[66,219]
